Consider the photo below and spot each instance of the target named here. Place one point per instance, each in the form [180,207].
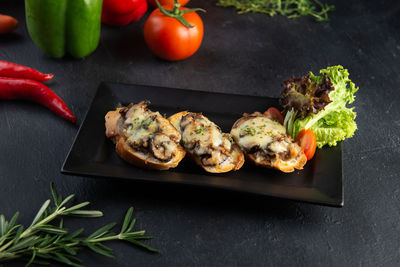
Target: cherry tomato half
[274,114]
[167,2]
[308,142]
[169,39]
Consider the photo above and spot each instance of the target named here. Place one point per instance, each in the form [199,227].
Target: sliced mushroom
[213,159]
[162,147]
[254,149]
[186,120]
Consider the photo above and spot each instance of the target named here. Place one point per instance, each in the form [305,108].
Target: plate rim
[337,202]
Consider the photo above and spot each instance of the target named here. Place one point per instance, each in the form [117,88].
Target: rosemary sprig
[47,239]
[288,8]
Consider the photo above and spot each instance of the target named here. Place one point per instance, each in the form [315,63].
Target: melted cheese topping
[259,131]
[205,133]
[140,125]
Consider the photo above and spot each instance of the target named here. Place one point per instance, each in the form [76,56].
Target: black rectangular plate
[92,154]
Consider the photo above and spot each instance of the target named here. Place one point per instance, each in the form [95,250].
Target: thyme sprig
[47,239]
[288,8]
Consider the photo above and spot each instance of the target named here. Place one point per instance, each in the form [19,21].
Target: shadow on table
[191,197]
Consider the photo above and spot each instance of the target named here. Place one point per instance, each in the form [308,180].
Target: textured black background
[247,54]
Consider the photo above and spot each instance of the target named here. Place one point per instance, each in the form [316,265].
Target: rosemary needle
[46,239]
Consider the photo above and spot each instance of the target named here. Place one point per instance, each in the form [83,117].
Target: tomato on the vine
[167,2]
[308,142]
[274,114]
[174,33]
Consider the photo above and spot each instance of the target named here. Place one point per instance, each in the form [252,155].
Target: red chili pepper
[12,88]
[122,12]
[12,70]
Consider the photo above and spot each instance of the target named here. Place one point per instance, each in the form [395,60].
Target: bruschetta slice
[266,143]
[144,138]
[204,141]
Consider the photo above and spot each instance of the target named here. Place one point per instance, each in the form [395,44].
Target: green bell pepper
[58,27]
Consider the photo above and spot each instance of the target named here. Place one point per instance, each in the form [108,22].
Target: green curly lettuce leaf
[336,121]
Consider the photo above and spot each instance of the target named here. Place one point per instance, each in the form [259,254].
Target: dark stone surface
[247,54]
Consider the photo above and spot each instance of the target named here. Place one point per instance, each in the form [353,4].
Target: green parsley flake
[146,122]
[250,130]
[200,130]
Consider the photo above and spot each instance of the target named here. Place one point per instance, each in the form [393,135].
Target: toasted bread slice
[144,138]
[265,143]
[204,142]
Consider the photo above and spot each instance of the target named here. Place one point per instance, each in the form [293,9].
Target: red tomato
[169,39]
[167,2]
[308,142]
[274,114]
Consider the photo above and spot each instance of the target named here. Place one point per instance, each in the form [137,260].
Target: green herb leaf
[86,213]
[46,239]
[288,8]
[102,251]
[137,243]
[76,207]
[41,211]
[127,219]
[65,201]
[74,234]
[53,230]
[3,225]
[32,258]
[102,231]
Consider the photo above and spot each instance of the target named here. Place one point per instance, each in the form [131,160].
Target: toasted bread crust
[279,164]
[237,153]
[175,119]
[113,122]
[144,161]
[238,163]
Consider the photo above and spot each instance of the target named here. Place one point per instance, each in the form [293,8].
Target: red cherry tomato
[274,114]
[167,2]
[169,39]
[308,142]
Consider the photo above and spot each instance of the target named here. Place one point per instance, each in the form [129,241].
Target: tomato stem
[176,13]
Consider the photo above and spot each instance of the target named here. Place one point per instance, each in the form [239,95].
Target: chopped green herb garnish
[230,139]
[250,130]
[288,8]
[146,122]
[199,130]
